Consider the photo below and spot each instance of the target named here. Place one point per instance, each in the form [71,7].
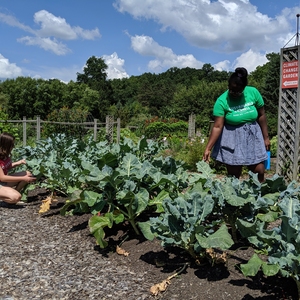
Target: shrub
[273,147]
[8,127]
[160,129]
[188,150]
[74,116]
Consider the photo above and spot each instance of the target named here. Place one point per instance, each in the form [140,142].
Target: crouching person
[11,183]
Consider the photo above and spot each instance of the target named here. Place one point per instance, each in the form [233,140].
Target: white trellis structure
[288,147]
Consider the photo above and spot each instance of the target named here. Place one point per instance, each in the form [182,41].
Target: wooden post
[38,128]
[192,125]
[118,130]
[95,130]
[24,131]
[109,128]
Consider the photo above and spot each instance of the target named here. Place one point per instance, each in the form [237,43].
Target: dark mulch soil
[196,282]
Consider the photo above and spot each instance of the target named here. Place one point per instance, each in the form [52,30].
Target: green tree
[94,75]
[198,99]
[49,96]
[22,96]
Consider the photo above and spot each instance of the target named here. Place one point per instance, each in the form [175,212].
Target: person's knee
[15,198]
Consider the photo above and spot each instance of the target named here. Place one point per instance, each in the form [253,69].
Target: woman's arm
[262,121]
[10,178]
[19,162]
[214,135]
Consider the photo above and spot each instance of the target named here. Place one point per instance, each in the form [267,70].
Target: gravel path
[46,258]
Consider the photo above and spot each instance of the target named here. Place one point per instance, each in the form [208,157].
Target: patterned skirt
[241,145]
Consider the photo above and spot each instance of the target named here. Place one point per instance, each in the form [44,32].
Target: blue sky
[54,38]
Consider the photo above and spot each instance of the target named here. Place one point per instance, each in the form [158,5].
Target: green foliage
[175,93]
[71,122]
[95,77]
[195,210]
[188,150]
[202,217]
[158,130]
[129,134]
[117,179]
[8,127]
[182,224]
[266,79]
[281,242]
[273,147]
[198,99]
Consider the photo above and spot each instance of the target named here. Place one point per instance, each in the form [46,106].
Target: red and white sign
[289,74]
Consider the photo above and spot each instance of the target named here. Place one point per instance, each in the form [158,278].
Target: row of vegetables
[196,211]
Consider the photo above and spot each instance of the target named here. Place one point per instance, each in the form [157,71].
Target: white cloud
[222,65]
[59,28]
[52,30]
[223,25]
[115,66]
[47,44]
[12,21]
[7,69]
[164,56]
[250,60]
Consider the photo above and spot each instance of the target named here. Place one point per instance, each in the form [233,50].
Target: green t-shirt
[240,110]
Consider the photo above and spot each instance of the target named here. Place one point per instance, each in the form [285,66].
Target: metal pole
[297,34]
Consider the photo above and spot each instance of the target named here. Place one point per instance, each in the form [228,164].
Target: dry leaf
[121,251]
[46,204]
[160,287]
[216,257]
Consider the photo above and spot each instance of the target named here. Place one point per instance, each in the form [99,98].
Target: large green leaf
[98,223]
[252,266]
[145,228]
[141,201]
[129,165]
[220,239]
[158,200]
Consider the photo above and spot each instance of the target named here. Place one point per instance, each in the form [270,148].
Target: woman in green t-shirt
[239,136]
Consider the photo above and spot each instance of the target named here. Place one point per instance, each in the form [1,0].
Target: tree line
[175,93]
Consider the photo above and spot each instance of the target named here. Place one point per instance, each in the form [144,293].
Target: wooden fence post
[38,128]
[192,126]
[109,128]
[95,130]
[24,131]
[118,130]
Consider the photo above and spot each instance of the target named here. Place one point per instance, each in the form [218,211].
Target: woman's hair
[7,142]
[239,77]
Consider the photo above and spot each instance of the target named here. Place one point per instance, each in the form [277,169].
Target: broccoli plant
[184,224]
[281,243]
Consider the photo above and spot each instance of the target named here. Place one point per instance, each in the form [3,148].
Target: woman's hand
[267,143]
[206,155]
[19,162]
[28,177]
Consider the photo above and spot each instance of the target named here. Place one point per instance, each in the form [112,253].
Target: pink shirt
[6,165]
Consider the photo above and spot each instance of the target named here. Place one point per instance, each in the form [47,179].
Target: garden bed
[54,257]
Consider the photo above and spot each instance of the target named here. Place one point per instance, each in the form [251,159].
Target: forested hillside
[174,94]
